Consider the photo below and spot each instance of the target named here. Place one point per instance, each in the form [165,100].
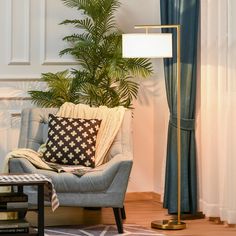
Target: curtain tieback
[185,124]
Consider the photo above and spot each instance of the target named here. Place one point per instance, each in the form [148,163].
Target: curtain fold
[185,13]
[217,110]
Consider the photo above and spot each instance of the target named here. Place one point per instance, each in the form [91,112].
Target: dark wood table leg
[20,188]
[41,209]
[21,214]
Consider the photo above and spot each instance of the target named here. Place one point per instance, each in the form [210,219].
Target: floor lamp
[159,45]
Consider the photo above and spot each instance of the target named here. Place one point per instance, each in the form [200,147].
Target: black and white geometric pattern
[100,230]
[71,141]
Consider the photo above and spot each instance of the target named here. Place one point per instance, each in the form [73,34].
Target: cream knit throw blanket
[111,122]
[32,156]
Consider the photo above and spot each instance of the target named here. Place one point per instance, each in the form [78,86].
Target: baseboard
[142,196]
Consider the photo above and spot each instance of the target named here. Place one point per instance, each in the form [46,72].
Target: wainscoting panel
[31,37]
[18,26]
[52,32]
[13,98]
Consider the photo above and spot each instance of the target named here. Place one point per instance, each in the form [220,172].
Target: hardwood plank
[140,196]
[142,212]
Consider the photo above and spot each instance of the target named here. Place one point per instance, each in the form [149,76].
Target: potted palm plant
[103,77]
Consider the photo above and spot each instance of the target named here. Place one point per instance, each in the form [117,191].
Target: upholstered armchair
[103,188]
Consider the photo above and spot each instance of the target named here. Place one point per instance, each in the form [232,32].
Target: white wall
[29,45]
[151,110]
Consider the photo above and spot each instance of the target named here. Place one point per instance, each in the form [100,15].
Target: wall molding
[20,78]
[26,59]
[43,48]
[63,62]
[15,98]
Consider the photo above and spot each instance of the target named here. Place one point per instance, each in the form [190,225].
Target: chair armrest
[116,172]
[21,165]
[116,161]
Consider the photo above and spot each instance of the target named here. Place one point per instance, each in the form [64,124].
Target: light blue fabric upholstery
[105,187]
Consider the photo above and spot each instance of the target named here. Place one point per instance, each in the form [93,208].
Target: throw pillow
[71,141]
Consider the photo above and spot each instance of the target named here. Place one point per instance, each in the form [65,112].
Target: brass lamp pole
[170,224]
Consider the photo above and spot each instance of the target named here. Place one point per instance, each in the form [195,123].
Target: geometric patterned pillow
[71,141]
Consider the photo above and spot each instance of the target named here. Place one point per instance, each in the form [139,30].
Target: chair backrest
[34,126]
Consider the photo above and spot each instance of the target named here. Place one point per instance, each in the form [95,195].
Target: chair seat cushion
[95,181]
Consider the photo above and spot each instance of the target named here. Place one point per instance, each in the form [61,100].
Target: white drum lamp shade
[158,45]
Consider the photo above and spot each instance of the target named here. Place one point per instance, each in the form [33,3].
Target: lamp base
[168,224]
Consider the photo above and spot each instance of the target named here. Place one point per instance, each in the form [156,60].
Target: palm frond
[85,24]
[128,91]
[79,4]
[138,66]
[44,99]
[78,37]
[58,92]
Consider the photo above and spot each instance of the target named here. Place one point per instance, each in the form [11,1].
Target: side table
[39,208]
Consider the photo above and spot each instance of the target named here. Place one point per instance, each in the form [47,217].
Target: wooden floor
[138,211]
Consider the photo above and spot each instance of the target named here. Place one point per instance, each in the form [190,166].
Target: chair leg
[93,208]
[122,211]
[119,222]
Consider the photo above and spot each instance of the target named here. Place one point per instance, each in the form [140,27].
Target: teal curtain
[185,13]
